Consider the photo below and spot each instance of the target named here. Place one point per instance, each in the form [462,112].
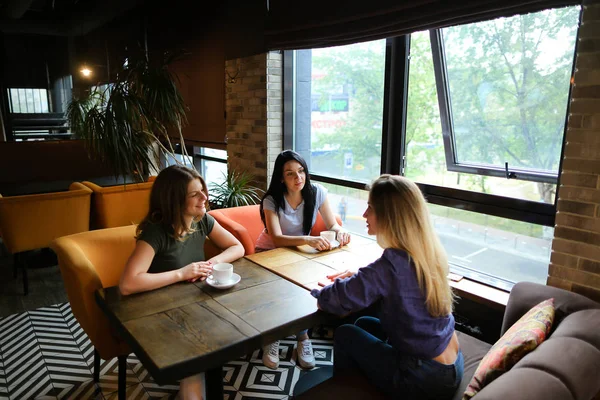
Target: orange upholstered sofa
[245,224]
[31,222]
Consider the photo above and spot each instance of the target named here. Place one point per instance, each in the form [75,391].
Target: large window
[339,132]
[475,114]
[28,101]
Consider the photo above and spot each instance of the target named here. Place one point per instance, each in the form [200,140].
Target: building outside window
[476,117]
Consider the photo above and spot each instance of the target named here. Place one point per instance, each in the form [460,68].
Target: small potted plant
[236,190]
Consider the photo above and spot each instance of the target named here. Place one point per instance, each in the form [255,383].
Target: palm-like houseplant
[236,190]
[121,122]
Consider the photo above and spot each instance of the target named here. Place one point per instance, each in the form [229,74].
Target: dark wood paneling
[44,162]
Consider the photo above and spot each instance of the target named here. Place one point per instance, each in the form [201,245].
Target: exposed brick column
[575,260]
[274,109]
[253,103]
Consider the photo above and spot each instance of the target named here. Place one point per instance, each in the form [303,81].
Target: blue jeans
[363,347]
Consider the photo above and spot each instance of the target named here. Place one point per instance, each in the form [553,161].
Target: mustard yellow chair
[90,261]
[119,205]
[31,222]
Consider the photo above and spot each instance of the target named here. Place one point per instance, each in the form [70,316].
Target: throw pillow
[523,337]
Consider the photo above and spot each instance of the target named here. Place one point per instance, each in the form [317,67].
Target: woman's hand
[196,270]
[338,275]
[343,237]
[318,242]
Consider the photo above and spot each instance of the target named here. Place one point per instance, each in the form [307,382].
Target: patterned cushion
[523,337]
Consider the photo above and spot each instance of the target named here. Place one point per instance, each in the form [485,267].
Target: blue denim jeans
[363,347]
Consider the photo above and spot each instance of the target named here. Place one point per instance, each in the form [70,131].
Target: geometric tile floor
[44,354]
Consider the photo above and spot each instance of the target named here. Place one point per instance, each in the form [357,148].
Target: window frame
[449,140]
[393,152]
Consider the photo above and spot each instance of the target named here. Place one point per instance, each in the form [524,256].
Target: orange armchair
[31,222]
[90,261]
[245,224]
[119,205]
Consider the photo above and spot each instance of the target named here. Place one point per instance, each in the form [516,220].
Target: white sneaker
[306,358]
[270,356]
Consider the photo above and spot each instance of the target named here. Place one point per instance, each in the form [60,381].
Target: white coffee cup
[329,235]
[222,273]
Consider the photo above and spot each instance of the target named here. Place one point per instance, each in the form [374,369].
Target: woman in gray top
[170,243]
[288,211]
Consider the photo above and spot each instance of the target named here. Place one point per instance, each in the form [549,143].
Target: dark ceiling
[60,17]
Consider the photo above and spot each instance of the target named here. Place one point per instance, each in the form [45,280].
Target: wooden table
[306,267]
[184,329]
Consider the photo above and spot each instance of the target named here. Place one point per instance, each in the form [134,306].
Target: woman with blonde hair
[412,348]
[170,243]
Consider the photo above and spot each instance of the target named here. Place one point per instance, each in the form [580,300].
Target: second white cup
[329,235]
[222,272]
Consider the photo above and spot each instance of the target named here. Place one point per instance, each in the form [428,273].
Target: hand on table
[318,242]
[343,237]
[338,275]
[197,270]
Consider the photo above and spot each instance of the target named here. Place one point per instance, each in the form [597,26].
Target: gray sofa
[564,367]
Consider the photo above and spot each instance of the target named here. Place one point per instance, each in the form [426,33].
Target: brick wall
[575,260]
[253,103]
[274,109]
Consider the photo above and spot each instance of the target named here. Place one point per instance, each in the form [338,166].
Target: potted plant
[126,122]
[236,190]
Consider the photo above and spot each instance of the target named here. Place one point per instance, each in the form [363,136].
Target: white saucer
[235,279]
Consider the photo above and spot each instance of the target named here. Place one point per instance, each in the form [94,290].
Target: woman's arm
[136,278]
[353,294]
[281,240]
[232,248]
[330,222]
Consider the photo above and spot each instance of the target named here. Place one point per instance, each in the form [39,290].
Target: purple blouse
[391,283]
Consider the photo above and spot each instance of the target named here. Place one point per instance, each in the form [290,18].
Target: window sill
[483,294]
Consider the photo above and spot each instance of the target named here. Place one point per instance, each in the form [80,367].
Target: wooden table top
[306,267]
[183,329]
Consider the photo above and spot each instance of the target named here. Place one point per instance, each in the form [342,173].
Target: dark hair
[168,197]
[277,189]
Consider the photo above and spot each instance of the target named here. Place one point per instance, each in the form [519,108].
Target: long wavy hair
[277,189]
[168,198]
[403,223]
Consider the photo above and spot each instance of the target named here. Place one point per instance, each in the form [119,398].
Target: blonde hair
[403,223]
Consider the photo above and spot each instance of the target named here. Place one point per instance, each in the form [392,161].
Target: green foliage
[122,122]
[236,190]
[360,69]
[508,78]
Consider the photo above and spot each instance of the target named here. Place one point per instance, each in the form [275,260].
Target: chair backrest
[245,224]
[33,221]
[89,261]
[119,205]
[93,260]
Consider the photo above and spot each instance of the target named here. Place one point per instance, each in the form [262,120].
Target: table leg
[214,384]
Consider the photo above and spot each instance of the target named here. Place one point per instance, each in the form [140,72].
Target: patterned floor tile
[133,392]
[79,390]
[44,354]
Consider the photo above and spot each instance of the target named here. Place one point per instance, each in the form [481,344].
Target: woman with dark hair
[170,243]
[289,210]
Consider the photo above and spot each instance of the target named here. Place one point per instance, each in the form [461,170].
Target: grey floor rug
[44,354]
